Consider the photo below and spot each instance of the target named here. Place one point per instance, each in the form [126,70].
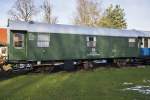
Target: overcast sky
[137,11]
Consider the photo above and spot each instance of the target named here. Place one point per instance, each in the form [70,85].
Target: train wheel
[88,65]
[120,62]
[43,68]
[49,69]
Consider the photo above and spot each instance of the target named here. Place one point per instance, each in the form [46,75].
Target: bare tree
[47,10]
[88,12]
[22,10]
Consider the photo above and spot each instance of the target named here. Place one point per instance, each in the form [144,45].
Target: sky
[137,11]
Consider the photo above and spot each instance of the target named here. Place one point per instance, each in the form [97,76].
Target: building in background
[3,36]
[3,43]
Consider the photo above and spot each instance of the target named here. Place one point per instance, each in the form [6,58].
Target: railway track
[55,67]
[49,68]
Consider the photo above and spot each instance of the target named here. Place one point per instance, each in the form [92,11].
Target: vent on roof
[31,22]
[134,30]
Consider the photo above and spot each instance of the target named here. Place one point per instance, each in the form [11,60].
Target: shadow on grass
[10,74]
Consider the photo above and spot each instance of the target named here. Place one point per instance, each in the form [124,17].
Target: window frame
[132,42]
[145,42]
[23,40]
[3,50]
[37,45]
[88,41]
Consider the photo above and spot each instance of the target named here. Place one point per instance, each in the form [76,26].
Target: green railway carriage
[31,41]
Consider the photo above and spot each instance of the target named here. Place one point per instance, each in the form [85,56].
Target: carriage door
[145,47]
[19,44]
[91,45]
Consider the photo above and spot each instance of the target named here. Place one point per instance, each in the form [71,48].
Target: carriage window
[132,42]
[43,40]
[140,43]
[91,41]
[18,40]
[91,38]
[3,50]
[146,42]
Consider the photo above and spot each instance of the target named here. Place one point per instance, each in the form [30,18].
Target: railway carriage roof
[72,29]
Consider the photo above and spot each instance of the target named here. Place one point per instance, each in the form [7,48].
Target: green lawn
[100,84]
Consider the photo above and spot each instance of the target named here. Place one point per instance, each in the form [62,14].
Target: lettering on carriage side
[91,46]
[93,54]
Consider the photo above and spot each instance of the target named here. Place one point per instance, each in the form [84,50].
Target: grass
[100,84]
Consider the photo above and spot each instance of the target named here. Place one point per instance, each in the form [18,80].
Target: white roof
[72,29]
[146,33]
